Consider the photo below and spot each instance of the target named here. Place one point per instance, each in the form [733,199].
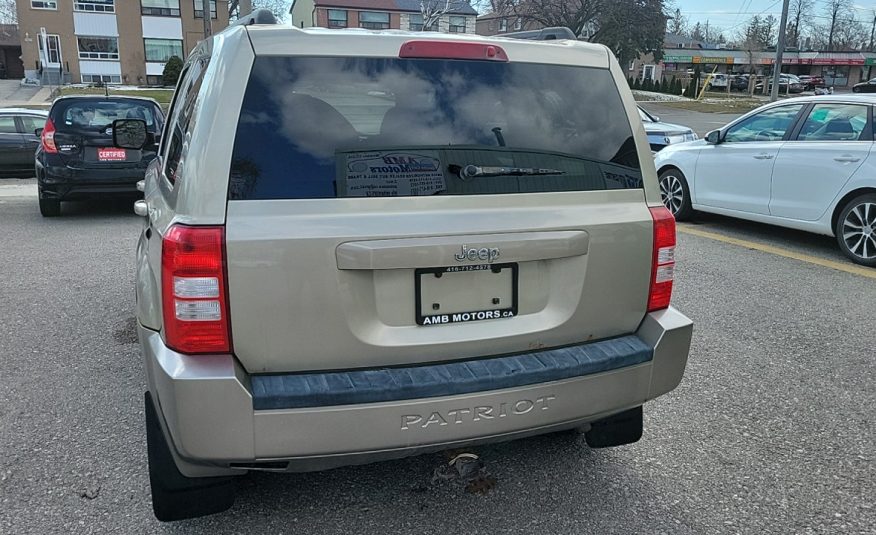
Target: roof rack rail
[259,16]
[545,34]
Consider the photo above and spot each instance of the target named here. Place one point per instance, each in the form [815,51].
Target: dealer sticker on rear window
[391,174]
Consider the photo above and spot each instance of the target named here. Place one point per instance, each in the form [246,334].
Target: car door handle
[846,159]
[764,156]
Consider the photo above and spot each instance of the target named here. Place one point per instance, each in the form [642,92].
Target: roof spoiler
[545,34]
[259,16]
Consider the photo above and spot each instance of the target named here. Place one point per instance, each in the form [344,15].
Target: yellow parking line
[839,266]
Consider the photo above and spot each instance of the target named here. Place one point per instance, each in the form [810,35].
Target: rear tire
[616,430]
[675,194]
[856,90]
[175,496]
[856,230]
[50,207]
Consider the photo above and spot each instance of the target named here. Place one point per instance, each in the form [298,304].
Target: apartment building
[380,15]
[110,41]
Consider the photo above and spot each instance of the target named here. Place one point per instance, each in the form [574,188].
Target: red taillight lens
[452,50]
[663,263]
[48,137]
[194,291]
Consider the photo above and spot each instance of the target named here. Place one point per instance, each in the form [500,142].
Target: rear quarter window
[318,127]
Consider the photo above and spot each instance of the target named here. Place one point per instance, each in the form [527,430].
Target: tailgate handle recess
[436,251]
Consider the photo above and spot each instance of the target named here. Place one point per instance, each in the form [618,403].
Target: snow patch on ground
[650,96]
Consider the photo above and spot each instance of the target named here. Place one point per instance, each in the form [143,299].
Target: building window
[457,24]
[44,4]
[95,6]
[337,18]
[53,43]
[199,9]
[98,47]
[503,25]
[373,20]
[154,79]
[162,8]
[518,24]
[101,79]
[161,50]
[416,24]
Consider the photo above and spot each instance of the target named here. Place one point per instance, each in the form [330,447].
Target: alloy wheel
[672,193]
[859,230]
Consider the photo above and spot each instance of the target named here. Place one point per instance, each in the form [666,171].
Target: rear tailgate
[583,264]
[398,211]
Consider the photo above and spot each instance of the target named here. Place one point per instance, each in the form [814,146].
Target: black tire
[856,90]
[50,207]
[673,181]
[616,430]
[175,496]
[855,230]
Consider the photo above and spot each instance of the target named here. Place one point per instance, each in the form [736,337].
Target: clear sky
[731,15]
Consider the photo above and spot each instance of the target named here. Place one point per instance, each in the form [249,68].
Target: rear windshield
[375,127]
[98,114]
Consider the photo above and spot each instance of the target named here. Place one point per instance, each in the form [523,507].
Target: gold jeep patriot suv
[364,245]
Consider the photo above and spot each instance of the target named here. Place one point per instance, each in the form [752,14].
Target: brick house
[379,15]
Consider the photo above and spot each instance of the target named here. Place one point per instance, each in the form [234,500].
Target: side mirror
[38,132]
[129,133]
[713,137]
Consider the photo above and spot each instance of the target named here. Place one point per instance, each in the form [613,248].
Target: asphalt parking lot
[771,431]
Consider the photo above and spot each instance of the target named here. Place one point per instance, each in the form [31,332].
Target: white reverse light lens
[196,287]
[665,255]
[665,273]
[197,310]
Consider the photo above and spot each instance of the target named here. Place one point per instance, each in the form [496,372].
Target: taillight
[194,291]
[663,263]
[452,50]
[48,137]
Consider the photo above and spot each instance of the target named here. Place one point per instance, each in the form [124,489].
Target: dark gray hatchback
[76,158]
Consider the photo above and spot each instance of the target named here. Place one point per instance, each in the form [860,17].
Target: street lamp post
[780,52]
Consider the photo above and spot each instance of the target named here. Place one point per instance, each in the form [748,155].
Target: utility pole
[780,52]
[208,19]
[872,31]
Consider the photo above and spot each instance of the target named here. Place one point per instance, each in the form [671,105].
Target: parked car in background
[716,81]
[76,158]
[865,87]
[661,134]
[811,81]
[788,83]
[739,82]
[18,140]
[345,258]
[804,163]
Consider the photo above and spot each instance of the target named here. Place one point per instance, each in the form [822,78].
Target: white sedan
[803,163]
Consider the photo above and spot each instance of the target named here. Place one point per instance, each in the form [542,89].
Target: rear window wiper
[475,171]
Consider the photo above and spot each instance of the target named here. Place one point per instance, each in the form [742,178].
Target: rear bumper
[207,407]
[66,183]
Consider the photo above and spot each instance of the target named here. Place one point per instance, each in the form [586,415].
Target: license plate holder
[465,293]
[109,154]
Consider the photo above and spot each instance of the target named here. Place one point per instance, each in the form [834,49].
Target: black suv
[76,158]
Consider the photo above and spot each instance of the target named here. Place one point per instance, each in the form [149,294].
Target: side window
[7,125]
[768,125]
[834,122]
[180,124]
[31,123]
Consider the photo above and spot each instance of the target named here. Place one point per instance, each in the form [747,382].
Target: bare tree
[433,10]
[573,14]
[835,11]
[677,23]
[799,17]
[8,15]
[280,8]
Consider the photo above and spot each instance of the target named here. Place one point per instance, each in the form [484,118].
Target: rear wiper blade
[473,171]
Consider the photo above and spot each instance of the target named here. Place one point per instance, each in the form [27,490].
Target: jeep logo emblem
[488,255]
